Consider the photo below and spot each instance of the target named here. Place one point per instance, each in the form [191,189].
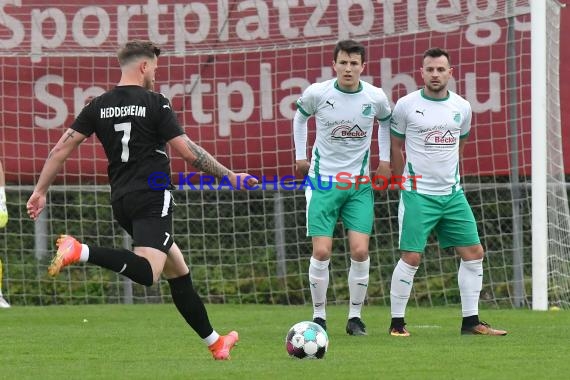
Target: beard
[436,87]
[148,84]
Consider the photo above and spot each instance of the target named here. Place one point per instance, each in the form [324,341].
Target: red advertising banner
[234,71]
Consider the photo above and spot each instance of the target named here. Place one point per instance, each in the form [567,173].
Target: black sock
[470,321]
[189,305]
[122,261]
[397,322]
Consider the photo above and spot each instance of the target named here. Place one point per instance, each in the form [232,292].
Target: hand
[383,170]
[36,205]
[3,215]
[242,181]
[302,167]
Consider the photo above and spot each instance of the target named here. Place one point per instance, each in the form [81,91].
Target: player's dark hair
[435,53]
[137,49]
[351,47]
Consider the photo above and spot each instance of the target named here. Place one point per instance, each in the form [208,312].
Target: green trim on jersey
[433,99]
[348,92]
[364,162]
[317,159]
[461,137]
[302,110]
[412,173]
[454,187]
[397,134]
[387,117]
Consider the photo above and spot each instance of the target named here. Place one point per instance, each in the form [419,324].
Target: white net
[233,71]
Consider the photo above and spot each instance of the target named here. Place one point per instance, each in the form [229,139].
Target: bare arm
[462,143]
[198,157]
[57,157]
[398,162]
[68,142]
[202,160]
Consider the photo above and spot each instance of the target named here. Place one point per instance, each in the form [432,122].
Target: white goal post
[233,71]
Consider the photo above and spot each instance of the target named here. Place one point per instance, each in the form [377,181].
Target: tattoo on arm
[205,162]
[70,135]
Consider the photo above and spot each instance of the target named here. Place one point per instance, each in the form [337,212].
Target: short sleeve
[398,120]
[169,127]
[85,121]
[384,111]
[466,124]
[306,104]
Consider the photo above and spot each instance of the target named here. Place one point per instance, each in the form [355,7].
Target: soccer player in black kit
[134,124]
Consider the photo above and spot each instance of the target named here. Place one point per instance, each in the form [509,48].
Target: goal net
[233,71]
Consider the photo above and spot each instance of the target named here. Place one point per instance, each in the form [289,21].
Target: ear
[142,66]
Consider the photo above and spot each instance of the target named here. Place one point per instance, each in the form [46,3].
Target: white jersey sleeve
[307,103]
[383,114]
[398,121]
[300,135]
[466,125]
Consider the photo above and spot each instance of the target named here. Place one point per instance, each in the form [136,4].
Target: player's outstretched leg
[68,252]
[221,348]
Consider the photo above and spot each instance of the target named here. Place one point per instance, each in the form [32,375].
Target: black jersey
[133,125]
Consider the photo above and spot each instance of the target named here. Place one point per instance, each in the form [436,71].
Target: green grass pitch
[153,342]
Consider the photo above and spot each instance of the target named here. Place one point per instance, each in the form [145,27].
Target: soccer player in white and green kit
[345,111]
[434,124]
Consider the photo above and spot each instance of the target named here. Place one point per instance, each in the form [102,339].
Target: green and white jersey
[432,129]
[344,127]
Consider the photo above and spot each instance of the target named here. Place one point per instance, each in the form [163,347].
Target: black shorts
[147,217]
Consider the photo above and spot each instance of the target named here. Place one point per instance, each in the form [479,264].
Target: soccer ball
[307,340]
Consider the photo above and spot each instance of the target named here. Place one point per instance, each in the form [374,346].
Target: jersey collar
[348,92]
[434,99]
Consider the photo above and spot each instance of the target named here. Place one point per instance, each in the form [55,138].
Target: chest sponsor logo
[440,140]
[346,132]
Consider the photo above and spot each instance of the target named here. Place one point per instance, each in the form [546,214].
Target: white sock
[319,283]
[470,280]
[84,253]
[358,276]
[212,338]
[401,288]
